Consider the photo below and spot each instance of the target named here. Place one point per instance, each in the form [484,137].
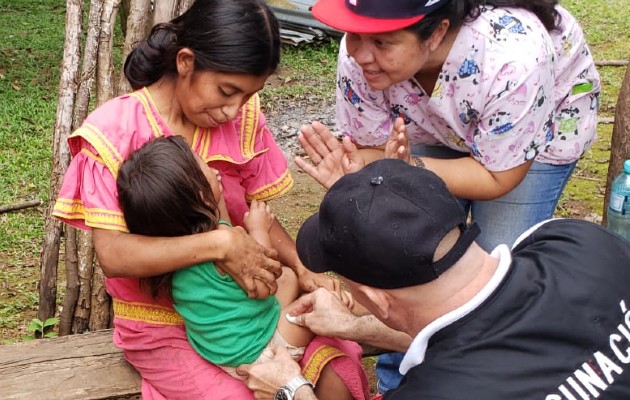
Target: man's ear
[380,300]
[185,61]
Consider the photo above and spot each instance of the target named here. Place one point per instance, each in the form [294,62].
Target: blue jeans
[534,200]
[501,221]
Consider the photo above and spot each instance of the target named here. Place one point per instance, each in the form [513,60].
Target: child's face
[212,176]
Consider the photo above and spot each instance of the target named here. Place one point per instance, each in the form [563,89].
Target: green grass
[30,55]
[605,24]
[31,48]
[305,72]
[30,52]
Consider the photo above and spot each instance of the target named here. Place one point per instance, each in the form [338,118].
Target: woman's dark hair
[233,36]
[460,11]
[162,191]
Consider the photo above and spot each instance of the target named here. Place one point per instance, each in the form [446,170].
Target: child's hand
[259,218]
[346,298]
[311,281]
[397,145]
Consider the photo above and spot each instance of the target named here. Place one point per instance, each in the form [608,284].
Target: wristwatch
[287,391]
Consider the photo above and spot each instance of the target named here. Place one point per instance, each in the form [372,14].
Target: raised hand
[329,159]
[397,145]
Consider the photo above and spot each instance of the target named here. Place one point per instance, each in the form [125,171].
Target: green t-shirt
[222,324]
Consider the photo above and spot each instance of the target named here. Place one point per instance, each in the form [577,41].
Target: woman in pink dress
[196,76]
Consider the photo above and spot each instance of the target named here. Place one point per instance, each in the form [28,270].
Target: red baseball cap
[373,16]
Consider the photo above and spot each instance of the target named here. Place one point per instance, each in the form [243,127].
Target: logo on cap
[431,2]
[354,2]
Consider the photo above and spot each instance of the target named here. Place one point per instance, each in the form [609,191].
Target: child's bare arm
[258,221]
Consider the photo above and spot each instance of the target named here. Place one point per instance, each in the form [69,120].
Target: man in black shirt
[548,319]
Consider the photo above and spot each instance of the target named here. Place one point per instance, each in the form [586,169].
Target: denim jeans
[501,221]
[534,200]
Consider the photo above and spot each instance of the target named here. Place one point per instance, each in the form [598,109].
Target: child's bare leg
[288,287]
[330,386]
[288,292]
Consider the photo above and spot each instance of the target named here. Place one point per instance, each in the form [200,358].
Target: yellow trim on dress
[318,360]
[250,119]
[69,209]
[91,155]
[107,151]
[249,129]
[105,219]
[275,189]
[144,96]
[92,217]
[202,141]
[150,313]
[108,154]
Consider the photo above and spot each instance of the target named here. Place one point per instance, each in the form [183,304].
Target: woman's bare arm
[126,255]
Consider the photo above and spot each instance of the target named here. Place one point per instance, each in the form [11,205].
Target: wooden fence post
[61,157]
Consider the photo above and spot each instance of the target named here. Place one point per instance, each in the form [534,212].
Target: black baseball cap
[380,227]
[373,16]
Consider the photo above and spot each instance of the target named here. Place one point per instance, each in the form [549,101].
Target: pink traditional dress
[150,331]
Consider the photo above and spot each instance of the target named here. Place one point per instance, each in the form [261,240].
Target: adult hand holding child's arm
[325,314]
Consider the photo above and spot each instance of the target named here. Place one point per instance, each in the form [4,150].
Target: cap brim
[308,248]
[335,14]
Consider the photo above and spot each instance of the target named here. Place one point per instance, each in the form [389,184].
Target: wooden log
[611,63]
[20,206]
[86,367]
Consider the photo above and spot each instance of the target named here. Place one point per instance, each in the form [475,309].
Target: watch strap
[294,384]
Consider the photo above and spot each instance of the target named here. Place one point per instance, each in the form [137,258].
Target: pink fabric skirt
[171,369]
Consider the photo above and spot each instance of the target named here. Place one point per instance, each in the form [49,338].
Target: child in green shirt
[165,190]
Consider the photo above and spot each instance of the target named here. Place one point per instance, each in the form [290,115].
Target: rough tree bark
[75,289]
[85,253]
[72,284]
[183,6]
[105,70]
[99,316]
[137,27]
[620,143]
[61,157]
[164,10]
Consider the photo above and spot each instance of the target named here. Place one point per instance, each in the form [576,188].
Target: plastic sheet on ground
[297,25]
